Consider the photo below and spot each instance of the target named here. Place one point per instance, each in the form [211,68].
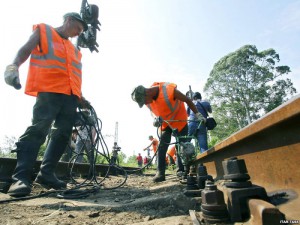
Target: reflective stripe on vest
[50,56]
[171,111]
[167,100]
[55,65]
[168,103]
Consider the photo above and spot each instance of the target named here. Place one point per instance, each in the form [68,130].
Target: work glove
[11,76]
[200,117]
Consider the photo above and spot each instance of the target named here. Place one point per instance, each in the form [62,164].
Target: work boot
[20,188]
[47,177]
[26,156]
[159,176]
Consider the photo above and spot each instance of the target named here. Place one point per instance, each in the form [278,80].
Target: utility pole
[116,132]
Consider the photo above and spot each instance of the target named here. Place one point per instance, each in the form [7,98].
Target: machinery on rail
[88,39]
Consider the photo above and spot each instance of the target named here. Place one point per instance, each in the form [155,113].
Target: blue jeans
[200,133]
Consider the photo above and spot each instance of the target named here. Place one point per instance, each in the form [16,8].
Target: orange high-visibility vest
[167,107]
[171,151]
[55,65]
[154,144]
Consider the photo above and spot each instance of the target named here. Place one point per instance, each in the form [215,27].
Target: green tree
[132,160]
[101,159]
[244,85]
[7,145]
[122,158]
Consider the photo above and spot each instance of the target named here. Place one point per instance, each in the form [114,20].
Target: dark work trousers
[163,148]
[49,108]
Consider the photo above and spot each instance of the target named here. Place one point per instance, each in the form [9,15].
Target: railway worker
[139,159]
[115,153]
[201,132]
[70,147]
[171,154]
[54,78]
[165,101]
[145,161]
[85,140]
[154,144]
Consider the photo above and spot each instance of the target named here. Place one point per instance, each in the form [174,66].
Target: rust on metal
[271,149]
[264,213]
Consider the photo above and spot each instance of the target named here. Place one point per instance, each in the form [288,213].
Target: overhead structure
[116,132]
[88,39]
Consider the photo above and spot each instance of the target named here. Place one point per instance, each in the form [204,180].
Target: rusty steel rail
[7,166]
[271,149]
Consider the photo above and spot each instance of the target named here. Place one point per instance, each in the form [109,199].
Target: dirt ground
[138,202]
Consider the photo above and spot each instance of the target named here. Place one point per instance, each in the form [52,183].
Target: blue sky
[143,41]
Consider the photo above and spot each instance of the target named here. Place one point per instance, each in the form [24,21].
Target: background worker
[171,154]
[165,101]
[54,77]
[145,160]
[139,159]
[154,144]
[115,153]
[204,108]
[86,138]
[70,147]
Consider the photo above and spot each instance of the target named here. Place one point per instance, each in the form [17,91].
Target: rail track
[7,166]
[270,148]
[257,170]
